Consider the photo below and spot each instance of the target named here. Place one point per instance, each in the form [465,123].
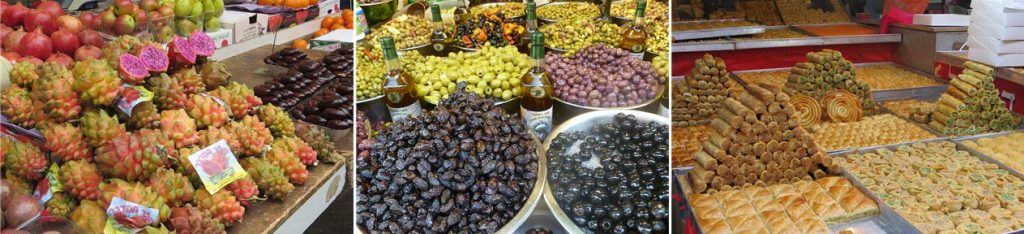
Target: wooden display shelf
[325,181]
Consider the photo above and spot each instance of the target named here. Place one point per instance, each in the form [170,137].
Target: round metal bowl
[583,123]
[555,50]
[375,109]
[419,48]
[552,21]
[380,11]
[565,109]
[496,4]
[531,201]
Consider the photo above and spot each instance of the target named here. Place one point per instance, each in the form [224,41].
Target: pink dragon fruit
[132,69]
[156,59]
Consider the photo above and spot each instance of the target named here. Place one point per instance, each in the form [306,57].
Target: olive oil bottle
[439,41]
[398,85]
[634,38]
[536,104]
[531,27]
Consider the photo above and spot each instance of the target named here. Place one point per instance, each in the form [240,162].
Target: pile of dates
[463,167]
[614,177]
[291,87]
[339,62]
[286,57]
[331,108]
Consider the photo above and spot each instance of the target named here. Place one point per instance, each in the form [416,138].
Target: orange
[347,14]
[320,32]
[327,22]
[300,44]
[295,3]
[313,2]
[337,26]
[266,2]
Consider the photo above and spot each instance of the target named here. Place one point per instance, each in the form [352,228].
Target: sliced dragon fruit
[180,52]
[201,43]
[132,69]
[155,59]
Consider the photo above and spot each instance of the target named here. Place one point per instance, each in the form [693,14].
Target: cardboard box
[997,32]
[942,19]
[290,19]
[328,7]
[995,45]
[994,59]
[332,40]
[244,25]
[221,38]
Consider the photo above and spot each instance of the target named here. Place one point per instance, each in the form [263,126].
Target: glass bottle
[536,104]
[634,38]
[439,41]
[398,85]
[531,27]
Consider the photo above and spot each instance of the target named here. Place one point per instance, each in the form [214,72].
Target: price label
[217,166]
[131,96]
[125,217]
[46,188]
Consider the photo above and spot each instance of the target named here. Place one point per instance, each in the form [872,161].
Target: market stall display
[601,76]
[937,186]
[656,12]
[567,11]
[713,24]
[839,30]
[509,9]
[883,129]
[573,36]
[699,97]
[505,166]
[1004,148]
[492,72]
[877,77]
[409,31]
[832,81]
[913,109]
[811,12]
[685,142]
[805,206]
[489,28]
[971,105]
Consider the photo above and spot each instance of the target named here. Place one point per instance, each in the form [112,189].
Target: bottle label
[438,47]
[637,51]
[638,56]
[538,122]
[401,113]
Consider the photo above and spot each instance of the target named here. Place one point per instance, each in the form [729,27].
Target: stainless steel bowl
[552,21]
[495,4]
[419,48]
[583,123]
[565,109]
[531,201]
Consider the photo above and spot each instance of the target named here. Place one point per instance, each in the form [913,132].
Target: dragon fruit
[214,74]
[192,220]
[303,151]
[18,106]
[245,190]
[133,192]
[222,205]
[180,52]
[128,157]
[131,68]
[159,139]
[184,166]
[176,189]
[167,92]
[277,120]
[123,44]
[99,127]
[269,177]
[90,216]
[23,74]
[319,140]
[5,144]
[239,97]
[66,142]
[60,101]
[19,185]
[286,159]
[202,44]
[179,127]
[251,134]
[144,115]
[206,111]
[189,80]
[81,179]
[26,161]
[213,134]
[96,81]
[61,204]
[154,58]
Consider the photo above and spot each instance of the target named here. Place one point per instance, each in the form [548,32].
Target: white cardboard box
[995,45]
[996,12]
[942,19]
[332,40]
[328,7]
[997,32]
[244,25]
[997,60]
[222,37]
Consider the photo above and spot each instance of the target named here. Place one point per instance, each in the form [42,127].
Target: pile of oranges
[294,4]
[331,23]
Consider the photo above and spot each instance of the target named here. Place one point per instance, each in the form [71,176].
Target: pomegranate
[90,37]
[13,15]
[40,19]
[11,55]
[4,30]
[22,208]
[30,59]
[88,52]
[70,23]
[65,41]
[90,20]
[12,39]
[52,7]
[61,58]
[36,44]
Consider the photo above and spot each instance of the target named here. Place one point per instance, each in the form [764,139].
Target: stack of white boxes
[996,33]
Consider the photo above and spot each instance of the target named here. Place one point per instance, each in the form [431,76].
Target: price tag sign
[46,188]
[131,96]
[217,166]
[125,217]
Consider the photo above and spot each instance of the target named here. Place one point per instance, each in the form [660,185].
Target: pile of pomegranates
[45,33]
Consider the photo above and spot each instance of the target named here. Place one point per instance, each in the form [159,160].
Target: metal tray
[552,21]
[715,32]
[703,46]
[878,95]
[983,135]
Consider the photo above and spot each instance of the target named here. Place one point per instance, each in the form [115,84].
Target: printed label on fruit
[217,166]
[45,188]
[400,114]
[538,122]
[128,217]
[131,96]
